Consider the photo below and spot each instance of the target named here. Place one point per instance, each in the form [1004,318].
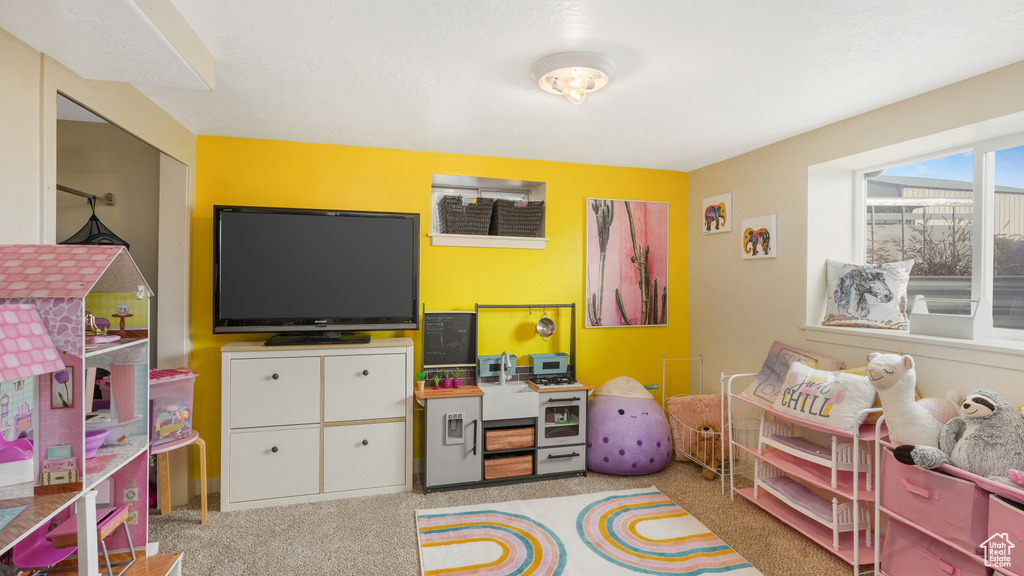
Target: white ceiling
[697,81]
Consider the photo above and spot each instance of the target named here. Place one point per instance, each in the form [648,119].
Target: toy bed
[837,456]
[833,514]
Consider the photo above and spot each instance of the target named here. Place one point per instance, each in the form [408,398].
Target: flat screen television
[314,276]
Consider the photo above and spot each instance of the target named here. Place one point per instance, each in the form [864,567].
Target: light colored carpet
[376,535]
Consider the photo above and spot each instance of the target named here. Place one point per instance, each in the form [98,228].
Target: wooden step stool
[107,520]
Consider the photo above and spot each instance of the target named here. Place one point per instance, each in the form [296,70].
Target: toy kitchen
[514,420]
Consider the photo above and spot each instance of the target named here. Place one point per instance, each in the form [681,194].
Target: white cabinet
[274,463]
[375,450]
[311,423]
[365,386]
[274,391]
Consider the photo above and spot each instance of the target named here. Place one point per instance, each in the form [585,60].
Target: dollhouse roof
[25,346]
[67,271]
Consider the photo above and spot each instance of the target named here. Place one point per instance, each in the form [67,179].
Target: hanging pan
[545,327]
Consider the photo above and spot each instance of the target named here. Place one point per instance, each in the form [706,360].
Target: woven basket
[511,218]
[459,218]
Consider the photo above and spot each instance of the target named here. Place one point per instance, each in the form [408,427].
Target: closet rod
[108,197]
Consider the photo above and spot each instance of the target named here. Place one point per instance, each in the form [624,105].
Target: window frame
[982,222]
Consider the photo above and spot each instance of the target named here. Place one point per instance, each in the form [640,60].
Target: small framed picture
[62,388]
[717,211]
[759,237]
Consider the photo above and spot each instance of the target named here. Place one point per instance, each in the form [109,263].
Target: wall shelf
[483,241]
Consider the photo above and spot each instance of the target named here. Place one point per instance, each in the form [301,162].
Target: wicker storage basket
[473,217]
[511,218]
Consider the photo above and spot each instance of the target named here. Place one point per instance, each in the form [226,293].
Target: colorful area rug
[630,532]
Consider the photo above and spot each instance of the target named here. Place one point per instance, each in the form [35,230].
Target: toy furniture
[788,465]
[164,470]
[946,521]
[62,282]
[65,535]
[37,553]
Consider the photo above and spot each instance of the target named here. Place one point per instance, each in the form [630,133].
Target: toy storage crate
[464,216]
[511,218]
[170,404]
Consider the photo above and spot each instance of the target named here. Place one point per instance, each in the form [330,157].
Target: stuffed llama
[909,422]
[992,444]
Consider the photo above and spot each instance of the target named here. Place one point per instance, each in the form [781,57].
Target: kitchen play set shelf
[528,424]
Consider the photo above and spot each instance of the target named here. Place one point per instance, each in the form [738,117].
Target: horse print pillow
[867,296]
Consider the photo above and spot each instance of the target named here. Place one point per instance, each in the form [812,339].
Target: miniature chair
[14,450]
[65,536]
[35,552]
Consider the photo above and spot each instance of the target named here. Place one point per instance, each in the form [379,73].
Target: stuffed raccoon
[992,443]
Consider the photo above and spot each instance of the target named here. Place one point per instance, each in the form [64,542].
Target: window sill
[487,241]
[996,353]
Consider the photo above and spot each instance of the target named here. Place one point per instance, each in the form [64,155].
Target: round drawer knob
[274,449]
[275,376]
[366,372]
[365,442]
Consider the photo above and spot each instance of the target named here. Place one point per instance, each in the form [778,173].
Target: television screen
[294,270]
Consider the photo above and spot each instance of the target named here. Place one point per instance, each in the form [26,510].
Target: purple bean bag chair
[627,431]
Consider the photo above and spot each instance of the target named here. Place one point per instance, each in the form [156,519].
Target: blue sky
[1009,168]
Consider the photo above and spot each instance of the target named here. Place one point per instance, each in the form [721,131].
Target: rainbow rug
[629,532]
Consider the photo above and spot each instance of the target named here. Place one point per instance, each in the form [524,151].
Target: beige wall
[98,158]
[20,203]
[739,307]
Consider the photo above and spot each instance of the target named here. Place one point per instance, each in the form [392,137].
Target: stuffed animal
[991,446]
[627,431]
[909,421]
[707,448]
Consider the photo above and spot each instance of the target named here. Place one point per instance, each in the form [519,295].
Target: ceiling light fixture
[573,74]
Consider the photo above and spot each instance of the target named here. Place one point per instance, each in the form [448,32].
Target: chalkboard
[449,339]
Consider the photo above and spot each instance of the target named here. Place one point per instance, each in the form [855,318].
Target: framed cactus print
[627,263]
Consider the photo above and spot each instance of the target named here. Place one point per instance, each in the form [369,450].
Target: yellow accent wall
[274,173]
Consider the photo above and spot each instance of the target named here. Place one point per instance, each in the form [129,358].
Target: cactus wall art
[627,263]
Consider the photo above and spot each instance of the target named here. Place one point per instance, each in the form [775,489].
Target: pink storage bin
[170,404]
[1008,518]
[908,552]
[950,508]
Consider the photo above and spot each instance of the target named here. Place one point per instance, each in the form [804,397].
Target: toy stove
[553,381]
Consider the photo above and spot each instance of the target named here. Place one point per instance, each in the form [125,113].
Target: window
[960,217]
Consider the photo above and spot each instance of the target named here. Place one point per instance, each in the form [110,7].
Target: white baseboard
[152,549]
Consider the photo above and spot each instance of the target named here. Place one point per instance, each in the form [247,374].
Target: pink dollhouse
[45,293]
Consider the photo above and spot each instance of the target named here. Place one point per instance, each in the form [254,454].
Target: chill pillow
[768,382]
[824,397]
[867,296]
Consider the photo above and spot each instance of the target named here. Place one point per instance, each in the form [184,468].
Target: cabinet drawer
[908,552]
[566,459]
[364,456]
[508,438]
[274,464]
[926,498]
[367,386]
[275,392]
[1006,518]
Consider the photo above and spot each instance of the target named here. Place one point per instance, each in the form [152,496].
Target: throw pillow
[868,296]
[827,398]
[768,382]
